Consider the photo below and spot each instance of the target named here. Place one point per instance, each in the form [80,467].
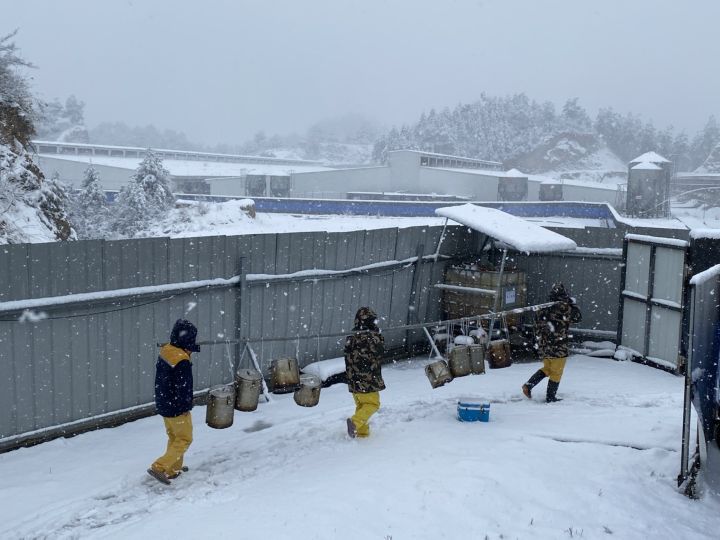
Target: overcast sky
[222,70]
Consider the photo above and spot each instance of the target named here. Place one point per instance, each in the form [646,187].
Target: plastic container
[473,410]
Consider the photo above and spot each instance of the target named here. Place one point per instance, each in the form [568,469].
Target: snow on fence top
[515,232]
[675,242]
[49,301]
[706,275]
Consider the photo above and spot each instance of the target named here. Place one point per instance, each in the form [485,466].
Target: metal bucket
[285,375]
[499,354]
[219,411]
[459,361]
[438,373]
[248,385]
[308,395]
[477,359]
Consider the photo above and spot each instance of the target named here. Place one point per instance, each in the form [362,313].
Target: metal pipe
[496,304]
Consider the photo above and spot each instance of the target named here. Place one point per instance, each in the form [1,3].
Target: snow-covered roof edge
[646,166]
[712,234]
[705,275]
[675,242]
[652,157]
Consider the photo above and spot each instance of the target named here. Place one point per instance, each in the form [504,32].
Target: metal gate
[651,300]
[702,383]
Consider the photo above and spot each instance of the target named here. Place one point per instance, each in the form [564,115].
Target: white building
[406,172]
[191,172]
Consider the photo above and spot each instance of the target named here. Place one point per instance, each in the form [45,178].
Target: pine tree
[146,197]
[133,212]
[704,142]
[154,179]
[89,212]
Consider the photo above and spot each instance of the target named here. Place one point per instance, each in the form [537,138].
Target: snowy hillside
[31,207]
[574,156]
[601,464]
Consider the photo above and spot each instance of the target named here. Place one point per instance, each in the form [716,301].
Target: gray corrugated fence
[593,278]
[97,357]
[94,360]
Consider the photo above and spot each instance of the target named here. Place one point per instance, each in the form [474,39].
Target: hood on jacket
[183,335]
[365,319]
[559,293]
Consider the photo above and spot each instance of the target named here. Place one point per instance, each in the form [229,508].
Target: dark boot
[538,376]
[551,391]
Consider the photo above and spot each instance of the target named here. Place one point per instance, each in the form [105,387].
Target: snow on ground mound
[600,464]
[233,218]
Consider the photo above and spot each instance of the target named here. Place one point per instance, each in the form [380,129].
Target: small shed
[497,287]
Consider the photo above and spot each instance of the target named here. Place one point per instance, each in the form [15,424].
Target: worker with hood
[552,336]
[363,352]
[174,399]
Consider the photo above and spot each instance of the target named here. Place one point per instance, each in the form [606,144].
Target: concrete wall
[72,172]
[478,187]
[335,184]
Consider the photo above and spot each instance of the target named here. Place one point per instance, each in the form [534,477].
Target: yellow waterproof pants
[365,406]
[553,368]
[179,432]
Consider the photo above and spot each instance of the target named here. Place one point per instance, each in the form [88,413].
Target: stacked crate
[457,304]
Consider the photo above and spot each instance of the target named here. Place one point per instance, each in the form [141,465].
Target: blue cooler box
[473,410]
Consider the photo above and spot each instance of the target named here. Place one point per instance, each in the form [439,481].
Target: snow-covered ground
[229,218]
[600,464]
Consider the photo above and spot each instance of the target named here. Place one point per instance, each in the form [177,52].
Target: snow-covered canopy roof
[513,231]
[650,157]
[647,166]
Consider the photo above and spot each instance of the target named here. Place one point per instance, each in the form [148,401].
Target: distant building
[648,190]
[191,172]
[408,174]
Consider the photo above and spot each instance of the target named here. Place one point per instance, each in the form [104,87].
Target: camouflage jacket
[551,329]
[363,352]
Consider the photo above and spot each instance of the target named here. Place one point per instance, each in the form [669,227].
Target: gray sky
[222,70]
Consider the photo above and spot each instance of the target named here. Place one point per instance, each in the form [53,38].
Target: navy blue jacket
[173,382]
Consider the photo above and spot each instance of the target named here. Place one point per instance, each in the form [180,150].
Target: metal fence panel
[633,328]
[668,275]
[638,268]
[664,335]
[87,360]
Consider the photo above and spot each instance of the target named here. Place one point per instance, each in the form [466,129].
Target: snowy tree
[154,179]
[31,208]
[133,211]
[88,209]
[704,142]
[146,197]
[63,123]
[17,111]
[574,117]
